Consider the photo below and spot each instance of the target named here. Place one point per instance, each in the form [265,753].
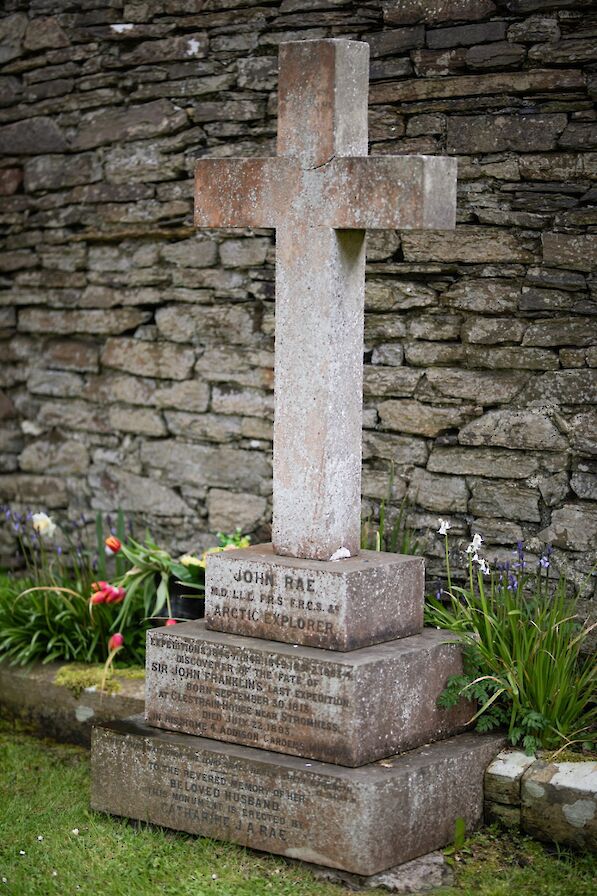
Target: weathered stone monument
[301,716]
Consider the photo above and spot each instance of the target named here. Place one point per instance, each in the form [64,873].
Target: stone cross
[321,193]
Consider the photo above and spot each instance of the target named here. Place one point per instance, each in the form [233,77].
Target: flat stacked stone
[301,717]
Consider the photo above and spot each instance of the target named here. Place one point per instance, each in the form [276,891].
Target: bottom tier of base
[361,820]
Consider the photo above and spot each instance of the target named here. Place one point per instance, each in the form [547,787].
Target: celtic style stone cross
[321,193]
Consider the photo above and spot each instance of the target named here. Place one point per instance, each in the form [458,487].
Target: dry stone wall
[137,353]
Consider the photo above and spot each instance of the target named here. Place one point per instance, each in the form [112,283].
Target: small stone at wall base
[418,876]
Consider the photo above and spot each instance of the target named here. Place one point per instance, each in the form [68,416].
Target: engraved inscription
[244,695]
[270,805]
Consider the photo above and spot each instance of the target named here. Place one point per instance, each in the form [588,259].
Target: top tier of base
[335,605]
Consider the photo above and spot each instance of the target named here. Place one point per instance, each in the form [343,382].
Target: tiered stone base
[361,820]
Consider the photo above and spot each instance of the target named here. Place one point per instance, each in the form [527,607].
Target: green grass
[44,792]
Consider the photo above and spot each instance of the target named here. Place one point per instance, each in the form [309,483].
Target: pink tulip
[170,621]
[115,642]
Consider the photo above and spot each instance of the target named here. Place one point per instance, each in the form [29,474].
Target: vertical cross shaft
[320,282]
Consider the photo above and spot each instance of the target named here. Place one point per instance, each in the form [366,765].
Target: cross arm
[243,192]
[379,192]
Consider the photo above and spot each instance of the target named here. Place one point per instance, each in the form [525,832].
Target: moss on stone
[78,676]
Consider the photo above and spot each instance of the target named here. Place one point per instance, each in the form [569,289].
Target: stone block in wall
[475,385]
[207,465]
[153,52]
[511,358]
[45,492]
[141,421]
[55,455]
[196,252]
[486,295]
[244,253]
[400,381]
[10,180]
[581,432]
[157,359]
[501,54]
[45,33]
[188,395]
[115,487]
[584,485]
[390,354]
[488,462]
[426,354]
[493,330]
[514,429]
[465,35]
[229,511]
[249,402]
[109,388]
[206,427]
[431,12]
[562,387]
[535,29]
[503,777]
[497,133]
[579,135]
[396,40]
[566,250]
[467,243]
[564,52]
[559,803]
[113,321]
[72,414]
[573,527]
[443,494]
[12,31]
[397,448]
[31,137]
[509,500]
[240,365]
[397,295]
[58,383]
[72,354]
[201,324]
[132,123]
[577,331]
[422,419]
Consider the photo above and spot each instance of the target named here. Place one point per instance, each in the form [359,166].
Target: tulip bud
[115,642]
[98,597]
[170,621]
[113,545]
[98,586]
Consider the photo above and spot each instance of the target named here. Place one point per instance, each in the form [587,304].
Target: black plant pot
[183,606]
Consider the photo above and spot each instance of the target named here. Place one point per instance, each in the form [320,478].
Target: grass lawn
[51,843]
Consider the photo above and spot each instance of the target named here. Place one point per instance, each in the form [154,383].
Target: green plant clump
[523,660]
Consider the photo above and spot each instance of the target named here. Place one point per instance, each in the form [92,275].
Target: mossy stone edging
[552,801]
[65,701]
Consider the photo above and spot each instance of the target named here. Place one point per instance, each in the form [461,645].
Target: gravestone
[301,716]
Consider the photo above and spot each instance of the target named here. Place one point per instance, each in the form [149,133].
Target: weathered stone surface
[348,709]
[476,385]
[189,395]
[200,324]
[573,527]
[231,510]
[496,133]
[60,323]
[418,876]
[192,253]
[577,331]
[206,465]
[116,487]
[563,387]
[31,137]
[42,491]
[72,354]
[504,776]
[465,35]
[325,604]
[55,455]
[134,123]
[360,821]
[501,54]
[444,494]
[514,429]
[511,501]
[151,52]
[10,180]
[434,89]
[12,30]
[421,419]
[493,330]
[559,802]
[512,358]
[142,421]
[45,33]
[482,462]
[566,250]
[159,360]
[431,12]
[584,485]
[467,243]
[485,296]
[396,41]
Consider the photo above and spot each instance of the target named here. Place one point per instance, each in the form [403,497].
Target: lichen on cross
[321,193]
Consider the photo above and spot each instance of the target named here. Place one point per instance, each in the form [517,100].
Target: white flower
[43,525]
[40,838]
[475,544]
[483,565]
[444,525]
[75,831]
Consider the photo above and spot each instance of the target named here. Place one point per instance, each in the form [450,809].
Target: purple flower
[544,562]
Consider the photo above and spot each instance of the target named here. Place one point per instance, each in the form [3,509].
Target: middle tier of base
[347,708]
[360,820]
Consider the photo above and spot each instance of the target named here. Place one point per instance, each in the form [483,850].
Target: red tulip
[98,586]
[170,621]
[113,545]
[98,597]
[115,642]
[114,595]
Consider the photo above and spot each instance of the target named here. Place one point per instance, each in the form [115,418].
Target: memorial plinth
[361,820]
[346,708]
[336,605]
[311,649]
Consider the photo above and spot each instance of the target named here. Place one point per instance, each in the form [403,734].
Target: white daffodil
[43,525]
[444,525]
[475,544]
